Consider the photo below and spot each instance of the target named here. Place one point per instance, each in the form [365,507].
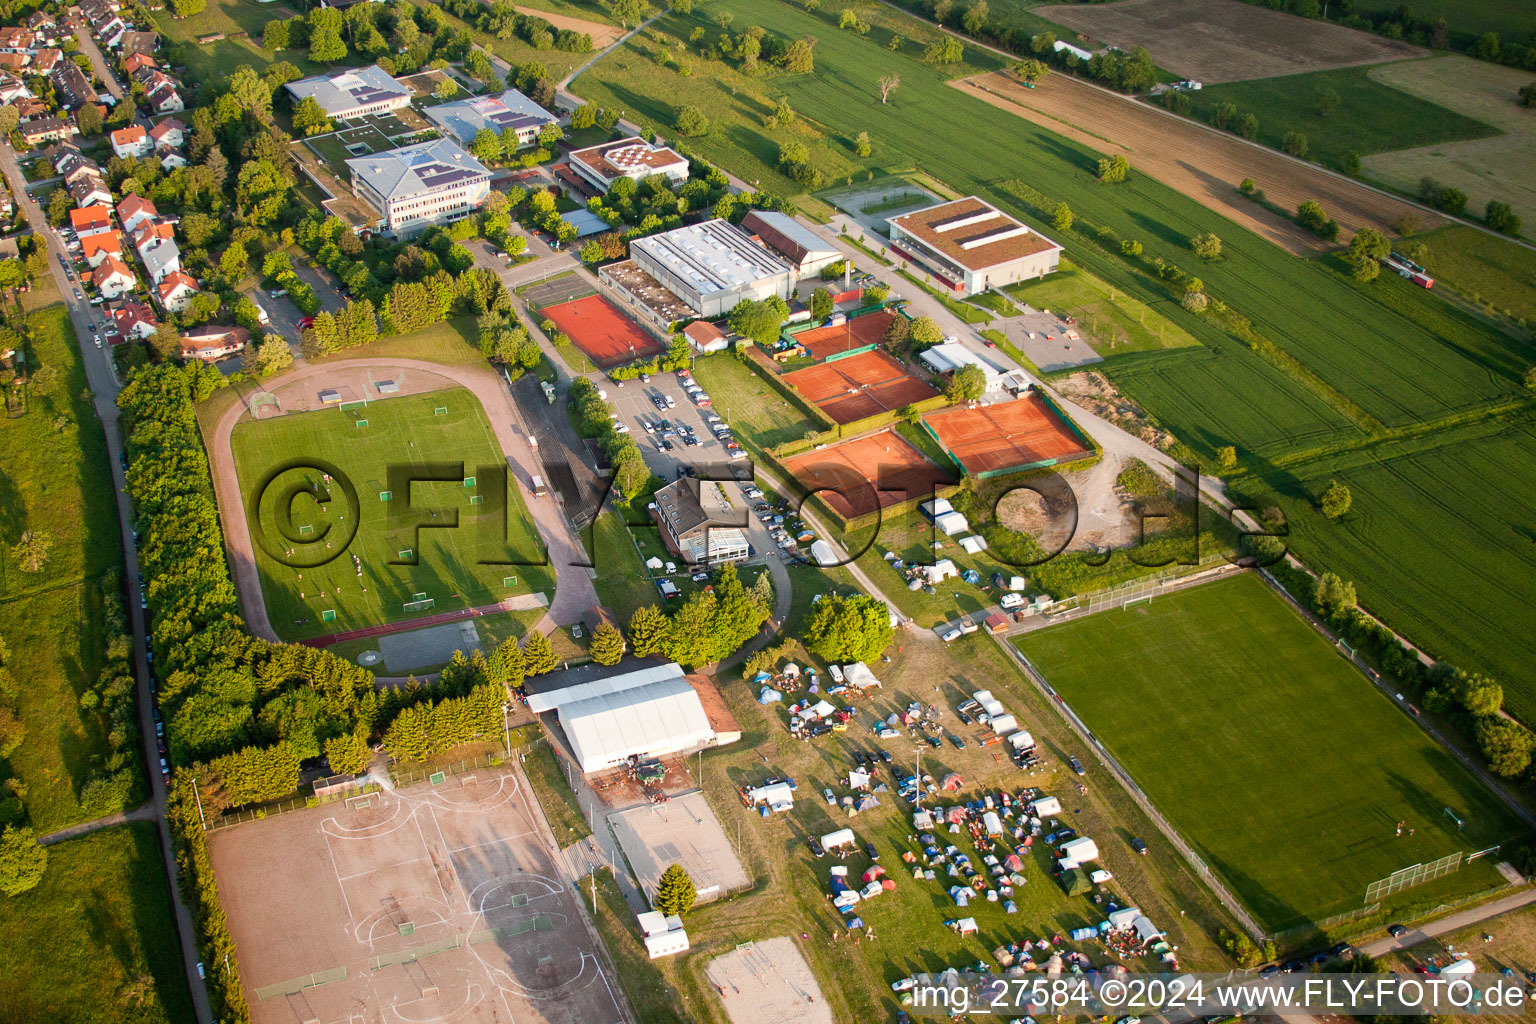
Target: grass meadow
[95,942]
[1370,117]
[1272,755]
[1115,322]
[409,434]
[1486,269]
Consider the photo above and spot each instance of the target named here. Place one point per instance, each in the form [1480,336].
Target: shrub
[1195,302]
[1061,217]
[692,122]
[1207,246]
[1248,187]
[1296,144]
[1502,217]
[1336,500]
[1113,169]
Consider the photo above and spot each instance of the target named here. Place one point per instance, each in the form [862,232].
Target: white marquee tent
[612,720]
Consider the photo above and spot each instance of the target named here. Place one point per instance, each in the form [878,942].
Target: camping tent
[821,709]
[1022,740]
[935,508]
[952,782]
[965,926]
[778,796]
[1123,918]
[951,523]
[1146,931]
[922,820]
[822,553]
[1458,967]
[833,840]
[768,695]
[858,674]
[973,544]
[1045,806]
[1004,724]
[858,779]
[993,823]
[1100,876]
[1074,882]
[941,570]
[1082,849]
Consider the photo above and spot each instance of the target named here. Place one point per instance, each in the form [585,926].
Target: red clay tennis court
[604,334]
[1007,435]
[873,471]
[858,332]
[859,386]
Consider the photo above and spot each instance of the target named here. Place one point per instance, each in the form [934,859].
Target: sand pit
[768,982]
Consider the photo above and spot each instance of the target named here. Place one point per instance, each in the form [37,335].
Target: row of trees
[594,418]
[709,626]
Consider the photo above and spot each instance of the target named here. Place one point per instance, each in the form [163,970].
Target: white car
[671,402]
[671,568]
[836,672]
[621,428]
[950,636]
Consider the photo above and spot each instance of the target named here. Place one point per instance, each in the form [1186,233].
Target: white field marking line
[341,829]
[466,1004]
[478,803]
[428,848]
[340,882]
[492,884]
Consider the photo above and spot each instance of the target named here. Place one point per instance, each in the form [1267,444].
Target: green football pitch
[367,546]
[1284,768]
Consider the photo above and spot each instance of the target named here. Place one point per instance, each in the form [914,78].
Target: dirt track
[1205,165]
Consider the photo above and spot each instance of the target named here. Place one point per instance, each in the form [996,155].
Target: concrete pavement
[98,62]
[103,383]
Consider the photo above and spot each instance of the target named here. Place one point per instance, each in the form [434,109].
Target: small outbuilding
[1045,806]
[664,934]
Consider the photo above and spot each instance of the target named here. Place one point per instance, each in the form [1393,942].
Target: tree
[583,117]
[1336,500]
[1502,217]
[1226,458]
[842,630]
[1528,94]
[821,304]
[1031,70]
[188,8]
[1296,144]
[888,84]
[607,646]
[10,118]
[946,50]
[1506,744]
[275,35]
[1326,103]
[629,12]
[759,320]
[348,754]
[968,384]
[273,355]
[691,122]
[31,550]
[861,144]
[647,627]
[675,892]
[538,656]
[447,89]
[783,114]
[897,331]
[1248,127]
[1486,47]
[22,860]
[798,58]
[505,668]
[309,116]
[1332,595]
[486,146]
[1061,217]
[1352,164]
[924,332]
[327,47]
[1195,301]
[1477,693]
[1113,169]
[1206,246]
[975,18]
[88,119]
[1365,250]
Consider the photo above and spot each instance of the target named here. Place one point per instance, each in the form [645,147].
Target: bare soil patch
[602,35]
[1227,41]
[1107,515]
[1094,392]
[1203,164]
[1499,167]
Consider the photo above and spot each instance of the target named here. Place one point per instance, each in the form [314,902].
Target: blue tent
[769,695]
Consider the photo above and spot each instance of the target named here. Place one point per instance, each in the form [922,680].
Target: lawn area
[1111,320]
[95,941]
[1369,118]
[457,567]
[1452,507]
[210,62]
[623,583]
[453,342]
[554,794]
[788,896]
[1487,269]
[758,414]
[1303,817]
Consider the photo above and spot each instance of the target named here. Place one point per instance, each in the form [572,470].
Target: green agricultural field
[408,433]
[1485,268]
[1439,542]
[1511,19]
[1369,117]
[1115,322]
[1276,760]
[95,942]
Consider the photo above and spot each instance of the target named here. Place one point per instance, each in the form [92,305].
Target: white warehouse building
[418,187]
[969,245]
[712,266]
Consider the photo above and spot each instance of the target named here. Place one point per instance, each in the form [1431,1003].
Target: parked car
[957,741]
[699,577]
[1139,846]
[1397,931]
[577,632]
[165,769]
[671,402]
[935,742]
[871,852]
[671,568]
[1077,766]
[950,635]
[815,847]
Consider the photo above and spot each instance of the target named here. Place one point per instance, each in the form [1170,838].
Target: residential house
[111,32]
[70,165]
[90,190]
[13,88]
[152,232]
[164,99]
[46,61]
[74,85]
[112,278]
[15,61]
[134,320]
[161,259]
[96,248]
[47,129]
[132,141]
[29,108]
[135,211]
[176,292]
[134,61]
[171,159]
[15,39]
[90,220]
[169,132]
[417,187]
[134,41]
[212,343]
[7,205]
[44,28]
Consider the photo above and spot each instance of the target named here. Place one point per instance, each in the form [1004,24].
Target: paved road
[103,69]
[1452,923]
[103,388]
[574,593]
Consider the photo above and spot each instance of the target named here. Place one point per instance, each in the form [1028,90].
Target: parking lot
[682,434]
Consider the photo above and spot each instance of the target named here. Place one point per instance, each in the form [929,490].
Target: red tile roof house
[45,61]
[132,141]
[134,61]
[169,132]
[175,291]
[134,320]
[134,211]
[91,220]
[213,343]
[113,278]
[96,248]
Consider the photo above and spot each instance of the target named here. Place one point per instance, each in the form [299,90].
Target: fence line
[293,803]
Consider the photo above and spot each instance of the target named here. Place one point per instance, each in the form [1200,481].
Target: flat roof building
[805,250]
[354,92]
[970,245]
[417,187]
[602,165]
[712,266]
[511,111]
